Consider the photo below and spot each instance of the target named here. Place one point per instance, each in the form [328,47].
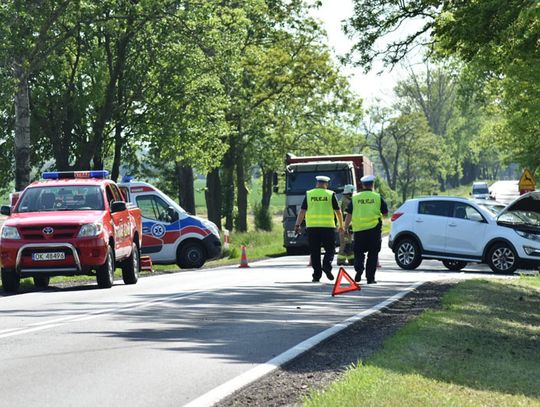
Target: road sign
[526,182]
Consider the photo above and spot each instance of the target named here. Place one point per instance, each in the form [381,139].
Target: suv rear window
[436,208]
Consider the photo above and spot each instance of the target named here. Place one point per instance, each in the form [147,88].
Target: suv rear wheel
[502,259]
[407,254]
[454,265]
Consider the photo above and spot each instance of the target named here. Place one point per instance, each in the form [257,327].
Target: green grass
[481,349]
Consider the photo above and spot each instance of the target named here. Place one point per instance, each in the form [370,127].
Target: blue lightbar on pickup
[75,174]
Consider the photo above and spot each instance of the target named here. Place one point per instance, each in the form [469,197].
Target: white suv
[458,231]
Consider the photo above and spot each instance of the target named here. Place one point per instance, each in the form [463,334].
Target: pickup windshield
[300,182]
[61,198]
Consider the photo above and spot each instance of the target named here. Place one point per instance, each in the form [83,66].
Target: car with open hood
[458,231]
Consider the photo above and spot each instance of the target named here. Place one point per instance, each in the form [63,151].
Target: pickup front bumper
[78,257]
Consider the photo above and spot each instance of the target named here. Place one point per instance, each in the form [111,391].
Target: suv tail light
[395,216]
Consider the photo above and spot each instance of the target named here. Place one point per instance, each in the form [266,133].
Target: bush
[263,218]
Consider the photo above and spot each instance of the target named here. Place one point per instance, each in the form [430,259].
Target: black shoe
[329,275]
[315,280]
[358,277]
[372,282]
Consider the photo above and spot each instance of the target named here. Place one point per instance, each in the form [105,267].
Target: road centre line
[229,387]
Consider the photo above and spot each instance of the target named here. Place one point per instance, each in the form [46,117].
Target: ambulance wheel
[105,273]
[10,280]
[41,281]
[131,266]
[191,255]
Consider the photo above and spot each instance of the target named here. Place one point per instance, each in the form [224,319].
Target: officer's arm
[384,207]
[299,219]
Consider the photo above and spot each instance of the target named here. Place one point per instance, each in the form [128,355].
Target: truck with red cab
[70,223]
[300,173]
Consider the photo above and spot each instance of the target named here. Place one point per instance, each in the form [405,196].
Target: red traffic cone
[243,261]
[146,264]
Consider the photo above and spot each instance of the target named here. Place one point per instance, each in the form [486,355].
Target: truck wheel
[41,281]
[191,255]
[131,266]
[10,280]
[454,265]
[502,259]
[407,254]
[105,273]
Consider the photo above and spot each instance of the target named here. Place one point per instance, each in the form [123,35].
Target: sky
[370,86]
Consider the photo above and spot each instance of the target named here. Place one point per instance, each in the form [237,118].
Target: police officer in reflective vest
[365,212]
[320,208]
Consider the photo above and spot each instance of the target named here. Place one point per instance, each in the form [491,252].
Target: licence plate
[48,256]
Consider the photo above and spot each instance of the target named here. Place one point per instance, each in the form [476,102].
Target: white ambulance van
[170,234]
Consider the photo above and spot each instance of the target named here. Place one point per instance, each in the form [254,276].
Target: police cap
[367,179]
[322,178]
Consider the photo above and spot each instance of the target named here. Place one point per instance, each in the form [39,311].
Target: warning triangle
[337,286]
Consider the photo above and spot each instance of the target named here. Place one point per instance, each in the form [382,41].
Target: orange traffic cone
[243,261]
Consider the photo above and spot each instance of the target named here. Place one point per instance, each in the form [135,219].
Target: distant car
[480,190]
[458,231]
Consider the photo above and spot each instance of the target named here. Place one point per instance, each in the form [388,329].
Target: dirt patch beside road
[327,362]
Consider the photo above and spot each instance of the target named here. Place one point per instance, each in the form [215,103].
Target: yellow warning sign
[527,181]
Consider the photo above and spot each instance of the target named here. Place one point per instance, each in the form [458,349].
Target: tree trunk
[242,196]
[22,129]
[228,184]
[118,143]
[267,185]
[186,193]
[213,197]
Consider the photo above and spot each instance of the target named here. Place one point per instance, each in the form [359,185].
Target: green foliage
[263,218]
[479,349]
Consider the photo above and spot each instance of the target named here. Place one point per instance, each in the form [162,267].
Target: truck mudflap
[213,247]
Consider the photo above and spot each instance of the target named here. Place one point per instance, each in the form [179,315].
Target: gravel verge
[327,362]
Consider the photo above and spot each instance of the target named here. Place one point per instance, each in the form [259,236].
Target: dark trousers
[324,237]
[367,241]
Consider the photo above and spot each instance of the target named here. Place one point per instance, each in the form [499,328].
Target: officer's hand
[340,229]
[297,229]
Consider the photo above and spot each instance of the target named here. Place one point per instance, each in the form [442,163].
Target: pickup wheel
[407,254]
[105,273]
[131,266]
[42,281]
[11,280]
[191,255]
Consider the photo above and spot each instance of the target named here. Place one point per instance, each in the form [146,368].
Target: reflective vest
[366,212]
[320,212]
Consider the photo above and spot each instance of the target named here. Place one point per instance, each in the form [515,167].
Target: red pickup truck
[70,223]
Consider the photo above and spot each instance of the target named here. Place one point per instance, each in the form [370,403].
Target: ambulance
[170,234]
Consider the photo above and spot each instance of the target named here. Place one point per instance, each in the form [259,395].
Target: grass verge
[480,349]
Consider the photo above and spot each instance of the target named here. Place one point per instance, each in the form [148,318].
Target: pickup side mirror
[5,210]
[118,206]
[173,215]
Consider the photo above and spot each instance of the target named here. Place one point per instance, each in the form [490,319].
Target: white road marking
[40,326]
[227,388]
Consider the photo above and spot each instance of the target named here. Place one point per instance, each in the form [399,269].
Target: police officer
[365,212]
[320,208]
[345,253]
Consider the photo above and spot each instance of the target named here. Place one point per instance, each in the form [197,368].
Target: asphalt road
[171,339]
